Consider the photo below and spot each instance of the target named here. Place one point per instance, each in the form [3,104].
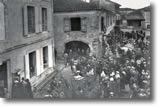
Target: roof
[114,3]
[77,5]
[136,15]
[148,8]
[126,9]
[72,5]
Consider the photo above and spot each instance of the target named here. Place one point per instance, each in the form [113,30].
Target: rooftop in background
[83,5]
[148,8]
[126,9]
[136,15]
[128,13]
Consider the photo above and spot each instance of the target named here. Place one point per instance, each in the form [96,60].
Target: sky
[134,4]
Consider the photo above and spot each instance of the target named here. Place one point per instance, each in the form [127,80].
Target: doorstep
[44,80]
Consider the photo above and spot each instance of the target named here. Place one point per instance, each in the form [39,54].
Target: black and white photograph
[76,49]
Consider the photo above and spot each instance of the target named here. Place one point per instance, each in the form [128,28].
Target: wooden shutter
[40,19]
[2,25]
[37,19]
[49,19]
[25,20]
[84,24]
[66,24]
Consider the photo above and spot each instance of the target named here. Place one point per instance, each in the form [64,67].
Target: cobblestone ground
[69,88]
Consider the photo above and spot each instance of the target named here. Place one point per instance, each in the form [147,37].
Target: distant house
[132,21]
[78,24]
[137,20]
[147,22]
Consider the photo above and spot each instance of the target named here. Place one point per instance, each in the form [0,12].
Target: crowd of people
[127,61]
[125,65]
[22,89]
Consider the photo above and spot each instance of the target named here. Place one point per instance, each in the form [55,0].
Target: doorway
[77,48]
[3,79]
[32,64]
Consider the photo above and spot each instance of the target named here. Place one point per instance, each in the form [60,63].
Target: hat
[123,72]
[133,67]
[16,81]
[111,79]
[112,74]
[117,76]
[117,71]
[138,61]
[103,74]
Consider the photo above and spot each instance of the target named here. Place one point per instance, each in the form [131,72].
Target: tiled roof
[78,5]
[136,15]
[126,9]
[74,5]
[148,8]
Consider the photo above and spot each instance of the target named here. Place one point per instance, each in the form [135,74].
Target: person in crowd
[66,59]
[28,89]
[117,70]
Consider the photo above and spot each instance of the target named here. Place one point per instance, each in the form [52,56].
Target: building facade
[136,20]
[26,42]
[79,24]
[147,22]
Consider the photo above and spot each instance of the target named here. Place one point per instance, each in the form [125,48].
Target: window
[31,19]
[2,24]
[148,26]
[75,24]
[44,19]
[45,57]
[102,23]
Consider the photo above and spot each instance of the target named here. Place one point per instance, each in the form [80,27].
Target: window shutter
[84,24]
[66,24]
[2,25]
[37,19]
[25,19]
[49,19]
[40,19]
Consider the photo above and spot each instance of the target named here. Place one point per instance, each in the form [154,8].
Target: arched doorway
[77,48]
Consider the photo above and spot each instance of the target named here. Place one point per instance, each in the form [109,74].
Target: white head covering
[112,74]
[111,79]
[103,74]
[117,76]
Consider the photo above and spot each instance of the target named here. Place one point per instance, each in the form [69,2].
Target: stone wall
[90,36]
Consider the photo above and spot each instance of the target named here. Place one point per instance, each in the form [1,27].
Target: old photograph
[75,49]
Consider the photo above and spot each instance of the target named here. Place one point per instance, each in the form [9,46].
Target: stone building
[138,19]
[79,24]
[147,22]
[26,42]
[132,21]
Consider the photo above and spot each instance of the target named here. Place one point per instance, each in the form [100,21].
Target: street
[68,88]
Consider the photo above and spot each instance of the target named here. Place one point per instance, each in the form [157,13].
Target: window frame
[72,24]
[44,23]
[33,18]
[148,26]
[45,65]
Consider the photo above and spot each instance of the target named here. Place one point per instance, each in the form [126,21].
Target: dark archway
[78,48]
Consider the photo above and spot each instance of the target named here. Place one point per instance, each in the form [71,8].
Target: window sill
[35,34]
[45,32]
[30,35]
[76,32]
